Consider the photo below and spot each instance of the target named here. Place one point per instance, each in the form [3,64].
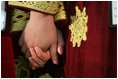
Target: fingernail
[35,49]
[56,62]
[61,50]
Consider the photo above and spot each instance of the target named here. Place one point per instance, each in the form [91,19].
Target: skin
[38,58]
[40,41]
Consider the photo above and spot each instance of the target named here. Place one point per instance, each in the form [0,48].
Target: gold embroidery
[46,75]
[78,27]
[44,6]
[21,65]
[18,23]
[61,14]
[18,20]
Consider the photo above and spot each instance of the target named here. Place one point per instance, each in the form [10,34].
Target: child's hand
[40,32]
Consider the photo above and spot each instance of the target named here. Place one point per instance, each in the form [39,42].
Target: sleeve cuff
[49,7]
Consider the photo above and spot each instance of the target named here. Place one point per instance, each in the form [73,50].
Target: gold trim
[61,14]
[44,6]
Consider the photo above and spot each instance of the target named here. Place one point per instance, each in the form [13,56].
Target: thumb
[60,46]
[53,54]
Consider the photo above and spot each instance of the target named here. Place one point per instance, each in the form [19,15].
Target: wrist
[38,15]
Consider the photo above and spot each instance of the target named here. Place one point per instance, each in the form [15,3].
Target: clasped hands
[41,40]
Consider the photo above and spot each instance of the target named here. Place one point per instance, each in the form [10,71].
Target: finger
[60,50]
[28,54]
[42,55]
[53,54]
[21,41]
[34,65]
[24,48]
[35,58]
[60,46]
[48,54]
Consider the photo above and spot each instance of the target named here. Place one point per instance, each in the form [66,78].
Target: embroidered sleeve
[61,14]
[50,7]
[18,19]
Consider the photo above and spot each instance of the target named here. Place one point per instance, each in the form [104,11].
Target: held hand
[38,58]
[40,32]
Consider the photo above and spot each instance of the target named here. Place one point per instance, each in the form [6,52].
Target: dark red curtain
[7,58]
[96,57]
